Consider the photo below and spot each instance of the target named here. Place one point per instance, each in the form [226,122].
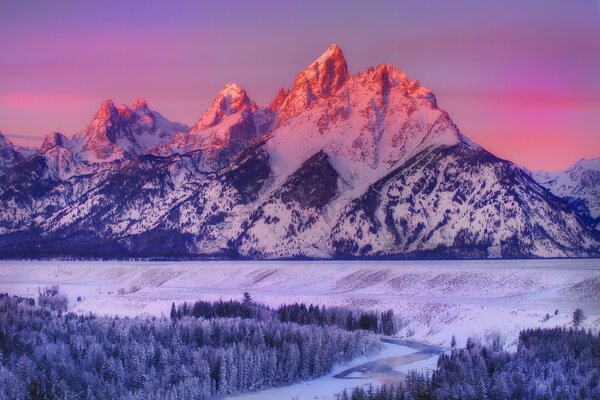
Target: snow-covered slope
[340,165]
[117,133]
[230,124]
[9,155]
[58,154]
[432,300]
[459,201]
[579,185]
[366,123]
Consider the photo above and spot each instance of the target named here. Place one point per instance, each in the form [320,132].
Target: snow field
[432,300]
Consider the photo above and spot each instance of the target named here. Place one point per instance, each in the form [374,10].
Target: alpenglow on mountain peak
[230,100]
[339,166]
[327,73]
[322,77]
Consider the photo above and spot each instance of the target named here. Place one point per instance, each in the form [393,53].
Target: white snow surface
[114,134]
[433,299]
[581,182]
[326,387]
[9,153]
[364,129]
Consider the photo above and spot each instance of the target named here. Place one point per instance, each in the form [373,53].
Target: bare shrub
[50,297]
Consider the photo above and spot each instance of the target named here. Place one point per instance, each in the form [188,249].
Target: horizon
[519,81]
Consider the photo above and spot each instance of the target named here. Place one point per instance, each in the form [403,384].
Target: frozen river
[390,365]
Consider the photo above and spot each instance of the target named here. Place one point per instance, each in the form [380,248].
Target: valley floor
[434,299]
[389,365]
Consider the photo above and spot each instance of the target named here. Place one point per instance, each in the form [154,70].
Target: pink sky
[521,80]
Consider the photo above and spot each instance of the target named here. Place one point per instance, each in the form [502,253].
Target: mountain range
[578,185]
[338,166]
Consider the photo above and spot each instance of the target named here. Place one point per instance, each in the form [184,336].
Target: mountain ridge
[578,185]
[338,166]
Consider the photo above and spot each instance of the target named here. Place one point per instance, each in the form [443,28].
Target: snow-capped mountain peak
[122,132]
[365,123]
[52,140]
[9,156]
[321,78]
[230,100]
[229,124]
[362,165]
[587,164]
[579,185]
[326,74]
[141,105]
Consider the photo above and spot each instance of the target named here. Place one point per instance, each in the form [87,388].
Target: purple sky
[522,78]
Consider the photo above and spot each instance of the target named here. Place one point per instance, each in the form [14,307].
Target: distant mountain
[338,166]
[114,135]
[118,133]
[9,154]
[578,185]
[227,127]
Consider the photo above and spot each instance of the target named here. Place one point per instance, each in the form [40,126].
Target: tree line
[51,354]
[299,313]
[549,364]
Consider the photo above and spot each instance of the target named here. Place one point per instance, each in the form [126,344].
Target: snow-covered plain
[434,299]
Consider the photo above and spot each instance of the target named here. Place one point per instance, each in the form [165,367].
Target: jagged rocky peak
[123,131]
[141,105]
[388,77]
[52,140]
[107,109]
[4,142]
[279,99]
[230,100]
[325,75]
[109,112]
[105,114]
[327,80]
[9,156]
[104,117]
[101,135]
